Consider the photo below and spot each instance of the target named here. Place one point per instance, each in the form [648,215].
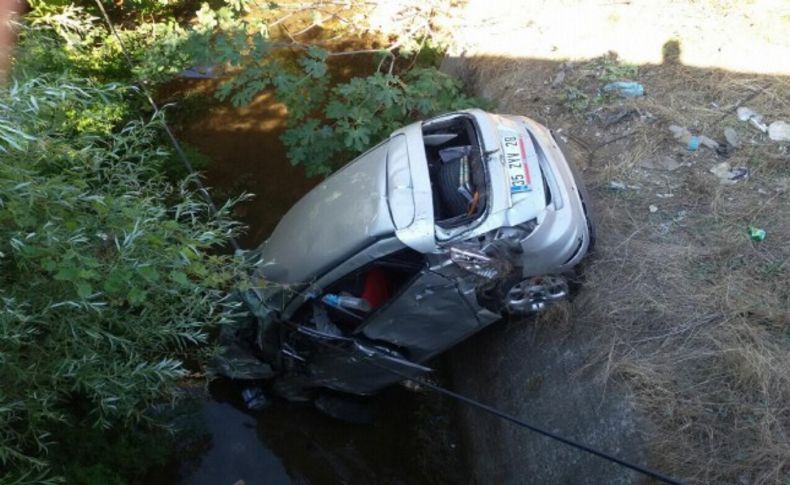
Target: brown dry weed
[693,317]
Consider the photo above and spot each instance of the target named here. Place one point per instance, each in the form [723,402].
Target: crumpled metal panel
[419,234]
[356,367]
[400,190]
[425,318]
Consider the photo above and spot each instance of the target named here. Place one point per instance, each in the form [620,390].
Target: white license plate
[516,159]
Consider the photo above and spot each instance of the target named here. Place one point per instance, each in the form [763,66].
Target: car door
[433,312]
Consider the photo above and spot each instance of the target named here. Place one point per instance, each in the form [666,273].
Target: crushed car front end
[534,189]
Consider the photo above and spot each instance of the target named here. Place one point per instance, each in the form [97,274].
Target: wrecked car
[430,236]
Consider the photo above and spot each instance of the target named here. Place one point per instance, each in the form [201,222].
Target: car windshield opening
[454,156]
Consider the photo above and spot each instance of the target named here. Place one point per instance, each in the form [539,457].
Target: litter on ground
[754,118]
[664,162]
[625,89]
[779,131]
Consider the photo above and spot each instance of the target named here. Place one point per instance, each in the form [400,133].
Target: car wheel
[533,294]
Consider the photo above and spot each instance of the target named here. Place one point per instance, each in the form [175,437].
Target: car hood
[343,214]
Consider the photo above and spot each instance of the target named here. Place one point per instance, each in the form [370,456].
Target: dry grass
[692,316]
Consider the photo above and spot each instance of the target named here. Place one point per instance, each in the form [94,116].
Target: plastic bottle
[692,142]
[254,398]
[347,302]
[626,89]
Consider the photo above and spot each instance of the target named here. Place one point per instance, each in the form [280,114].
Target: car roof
[342,215]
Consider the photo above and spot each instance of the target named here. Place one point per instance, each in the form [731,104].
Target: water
[289,443]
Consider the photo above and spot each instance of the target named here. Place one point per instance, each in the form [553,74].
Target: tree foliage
[328,121]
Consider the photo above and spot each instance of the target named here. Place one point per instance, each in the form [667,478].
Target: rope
[519,422]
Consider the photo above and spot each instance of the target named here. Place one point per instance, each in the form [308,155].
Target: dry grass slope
[692,316]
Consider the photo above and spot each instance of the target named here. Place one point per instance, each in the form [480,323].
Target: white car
[419,243]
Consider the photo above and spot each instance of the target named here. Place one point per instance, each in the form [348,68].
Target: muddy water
[288,443]
[245,154]
[409,442]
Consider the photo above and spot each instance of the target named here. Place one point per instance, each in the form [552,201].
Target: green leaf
[67,273]
[149,273]
[136,296]
[84,289]
[317,53]
[357,138]
[116,281]
[179,277]
[49,264]
[313,68]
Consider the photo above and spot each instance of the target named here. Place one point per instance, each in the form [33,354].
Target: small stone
[558,79]
[653,208]
[616,185]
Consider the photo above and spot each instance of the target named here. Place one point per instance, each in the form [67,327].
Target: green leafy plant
[575,99]
[357,114]
[609,68]
[327,122]
[109,277]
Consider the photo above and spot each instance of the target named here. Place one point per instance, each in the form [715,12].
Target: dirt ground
[676,354]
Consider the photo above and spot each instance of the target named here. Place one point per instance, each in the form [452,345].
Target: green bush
[109,277]
[111,273]
[327,124]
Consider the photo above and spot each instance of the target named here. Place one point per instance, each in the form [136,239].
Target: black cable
[466,400]
[179,151]
[507,417]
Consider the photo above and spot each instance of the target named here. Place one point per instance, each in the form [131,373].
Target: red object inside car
[377,287]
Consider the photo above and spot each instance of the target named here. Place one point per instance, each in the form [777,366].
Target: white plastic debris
[753,117]
[728,175]
[653,208]
[779,131]
[692,142]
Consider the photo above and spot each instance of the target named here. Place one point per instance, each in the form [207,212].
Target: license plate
[516,159]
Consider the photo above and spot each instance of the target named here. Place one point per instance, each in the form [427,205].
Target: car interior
[376,283]
[455,158]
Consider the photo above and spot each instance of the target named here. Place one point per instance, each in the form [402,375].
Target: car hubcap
[532,295]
